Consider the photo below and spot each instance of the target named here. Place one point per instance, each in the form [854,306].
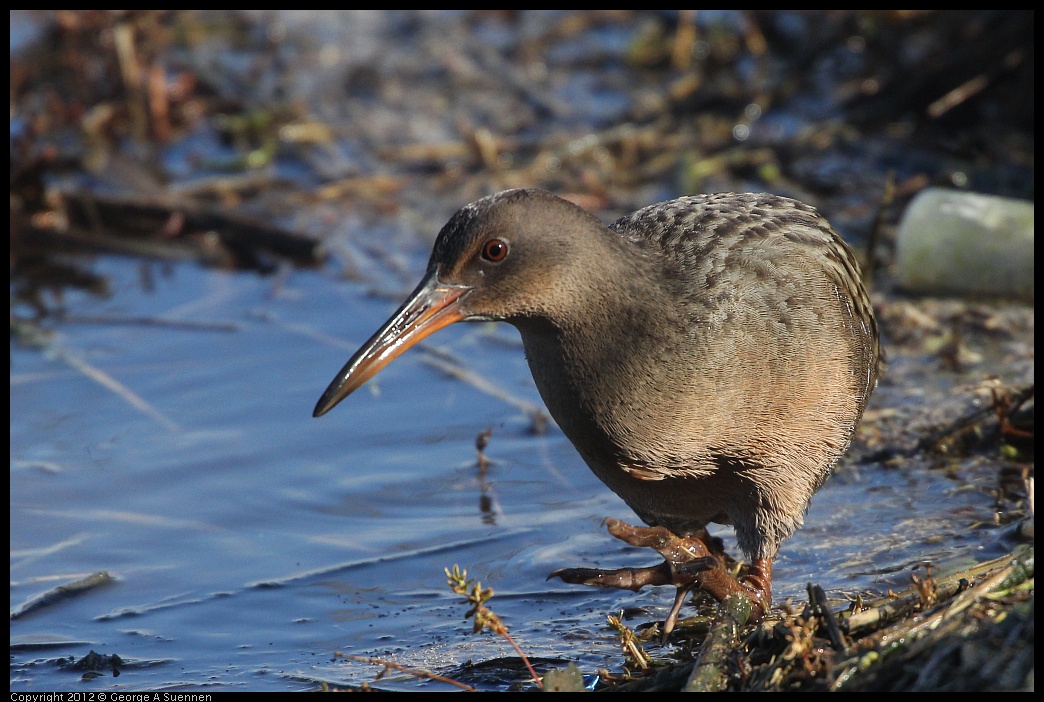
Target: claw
[689,563]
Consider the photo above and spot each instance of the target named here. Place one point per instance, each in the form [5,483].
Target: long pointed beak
[431,307]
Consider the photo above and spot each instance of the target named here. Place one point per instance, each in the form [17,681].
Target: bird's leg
[758,584]
[695,562]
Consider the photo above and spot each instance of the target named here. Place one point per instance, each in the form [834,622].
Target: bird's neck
[593,365]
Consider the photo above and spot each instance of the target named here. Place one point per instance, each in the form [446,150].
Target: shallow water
[248,542]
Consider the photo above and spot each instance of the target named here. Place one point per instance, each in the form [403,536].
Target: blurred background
[210,211]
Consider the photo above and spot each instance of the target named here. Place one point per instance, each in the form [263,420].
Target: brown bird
[709,357]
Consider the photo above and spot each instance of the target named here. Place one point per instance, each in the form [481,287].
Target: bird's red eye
[495,250]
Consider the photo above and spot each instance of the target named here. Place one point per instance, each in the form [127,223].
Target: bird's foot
[693,562]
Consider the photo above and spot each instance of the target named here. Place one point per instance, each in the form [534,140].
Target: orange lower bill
[431,307]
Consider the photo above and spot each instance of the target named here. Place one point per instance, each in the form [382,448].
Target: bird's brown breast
[723,371]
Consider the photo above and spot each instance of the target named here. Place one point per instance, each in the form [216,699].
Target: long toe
[672,616]
[633,579]
[673,548]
